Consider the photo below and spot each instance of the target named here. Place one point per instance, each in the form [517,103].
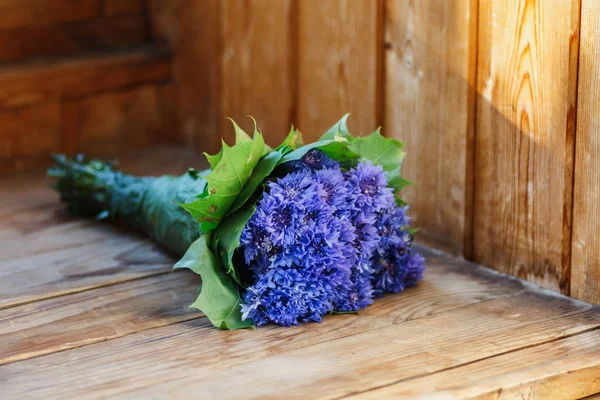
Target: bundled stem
[93,188]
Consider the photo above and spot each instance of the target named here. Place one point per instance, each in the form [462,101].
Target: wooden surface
[258,74]
[91,311]
[484,93]
[337,62]
[98,104]
[585,266]
[430,67]
[527,84]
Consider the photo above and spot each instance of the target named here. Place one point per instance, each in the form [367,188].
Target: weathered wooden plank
[329,359]
[29,131]
[563,369]
[105,313]
[72,38]
[112,7]
[196,40]
[75,256]
[258,74]
[585,267]
[18,13]
[71,321]
[430,69]
[105,123]
[527,77]
[337,75]
[40,82]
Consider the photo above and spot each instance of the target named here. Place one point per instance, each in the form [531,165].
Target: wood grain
[72,38]
[337,62]
[563,369]
[430,63]
[80,319]
[585,269]
[294,362]
[527,79]
[105,123]
[18,13]
[258,74]
[41,82]
[197,66]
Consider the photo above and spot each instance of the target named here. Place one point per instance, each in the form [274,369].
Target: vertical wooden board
[585,268]
[197,48]
[257,66]
[70,38]
[29,131]
[102,124]
[19,13]
[527,77]
[337,65]
[430,61]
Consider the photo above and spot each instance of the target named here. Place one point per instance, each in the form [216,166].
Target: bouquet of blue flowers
[284,235]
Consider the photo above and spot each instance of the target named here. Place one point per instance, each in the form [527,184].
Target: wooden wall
[498,102]
[84,75]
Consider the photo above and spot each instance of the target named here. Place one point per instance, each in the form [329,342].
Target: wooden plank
[430,66]
[105,123]
[35,83]
[328,359]
[76,256]
[106,313]
[338,74]
[197,65]
[527,78]
[29,131]
[19,13]
[72,38]
[113,7]
[585,269]
[79,319]
[564,369]
[258,77]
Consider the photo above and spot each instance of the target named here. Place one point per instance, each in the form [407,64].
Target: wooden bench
[91,311]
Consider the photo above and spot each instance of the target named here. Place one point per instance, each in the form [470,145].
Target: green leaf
[340,129]
[214,160]
[219,298]
[292,141]
[226,180]
[385,152]
[264,168]
[227,237]
[335,148]
[379,150]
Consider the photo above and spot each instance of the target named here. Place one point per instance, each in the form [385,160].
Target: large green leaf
[227,179]
[227,238]
[335,148]
[292,141]
[383,151]
[219,298]
[379,150]
[264,168]
[340,129]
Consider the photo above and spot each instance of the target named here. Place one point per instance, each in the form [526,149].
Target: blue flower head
[323,240]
